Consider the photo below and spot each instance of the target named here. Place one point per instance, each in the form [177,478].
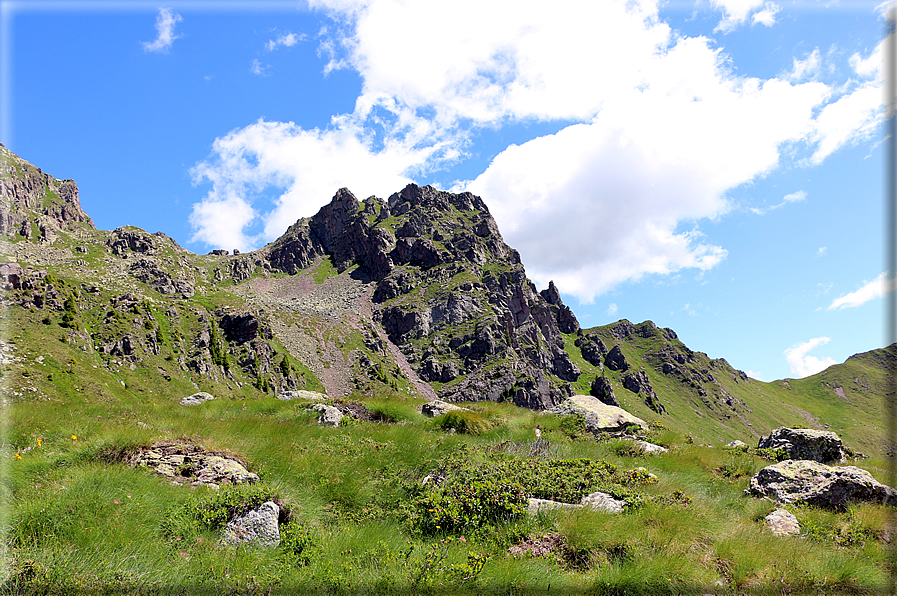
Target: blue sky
[714,166]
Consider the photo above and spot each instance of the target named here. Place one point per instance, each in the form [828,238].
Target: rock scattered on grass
[597,500]
[437,408]
[782,522]
[302,394]
[328,415]
[832,487]
[647,447]
[197,398]
[185,463]
[599,417]
[257,526]
[821,446]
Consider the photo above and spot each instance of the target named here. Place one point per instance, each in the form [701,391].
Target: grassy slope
[810,402]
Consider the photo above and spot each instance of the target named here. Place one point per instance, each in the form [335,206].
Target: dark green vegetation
[382,305]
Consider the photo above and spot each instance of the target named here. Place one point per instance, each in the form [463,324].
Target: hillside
[377,306]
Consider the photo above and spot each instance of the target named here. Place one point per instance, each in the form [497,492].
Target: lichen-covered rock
[186,463]
[782,522]
[534,506]
[805,443]
[257,526]
[647,447]
[736,444]
[328,415]
[599,417]
[811,482]
[603,502]
[197,398]
[302,394]
[437,407]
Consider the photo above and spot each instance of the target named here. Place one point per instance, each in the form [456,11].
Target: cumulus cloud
[736,12]
[802,364]
[767,16]
[165,22]
[307,165]
[808,68]
[647,147]
[286,39]
[876,288]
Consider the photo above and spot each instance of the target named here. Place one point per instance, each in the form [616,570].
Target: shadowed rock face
[810,482]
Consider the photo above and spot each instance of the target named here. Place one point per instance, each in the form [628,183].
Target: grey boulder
[197,398]
[328,415]
[821,446]
[832,487]
[782,522]
[257,526]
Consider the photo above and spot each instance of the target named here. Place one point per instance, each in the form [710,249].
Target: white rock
[782,522]
[197,398]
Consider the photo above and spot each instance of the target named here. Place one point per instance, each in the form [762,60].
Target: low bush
[463,422]
[466,507]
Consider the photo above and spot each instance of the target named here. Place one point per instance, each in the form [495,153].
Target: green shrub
[463,422]
[467,507]
[574,426]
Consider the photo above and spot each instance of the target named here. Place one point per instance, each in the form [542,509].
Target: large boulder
[805,443]
[599,417]
[257,526]
[817,484]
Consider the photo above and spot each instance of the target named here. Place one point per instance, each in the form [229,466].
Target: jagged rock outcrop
[602,389]
[638,383]
[805,443]
[615,360]
[29,197]
[449,292]
[592,348]
[810,482]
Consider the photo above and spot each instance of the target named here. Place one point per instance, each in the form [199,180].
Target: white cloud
[806,69]
[286,39]
[821,251]
[657,136]
[257,68]
[767,16]
[736,12]
[868,67]
[755,375]
[852,118]
[310,165]
[611,309]
[876,288]
[165,22]
[802,364]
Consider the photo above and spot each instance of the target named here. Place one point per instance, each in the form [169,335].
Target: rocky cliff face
[34,205]
[447,290]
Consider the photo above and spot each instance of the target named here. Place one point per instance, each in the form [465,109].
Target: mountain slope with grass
[377,306]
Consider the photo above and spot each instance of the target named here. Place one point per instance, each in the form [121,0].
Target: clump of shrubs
[462,421]
[466,507]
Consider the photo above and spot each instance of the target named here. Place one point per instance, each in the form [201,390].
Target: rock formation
[805,443]
[810,482]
